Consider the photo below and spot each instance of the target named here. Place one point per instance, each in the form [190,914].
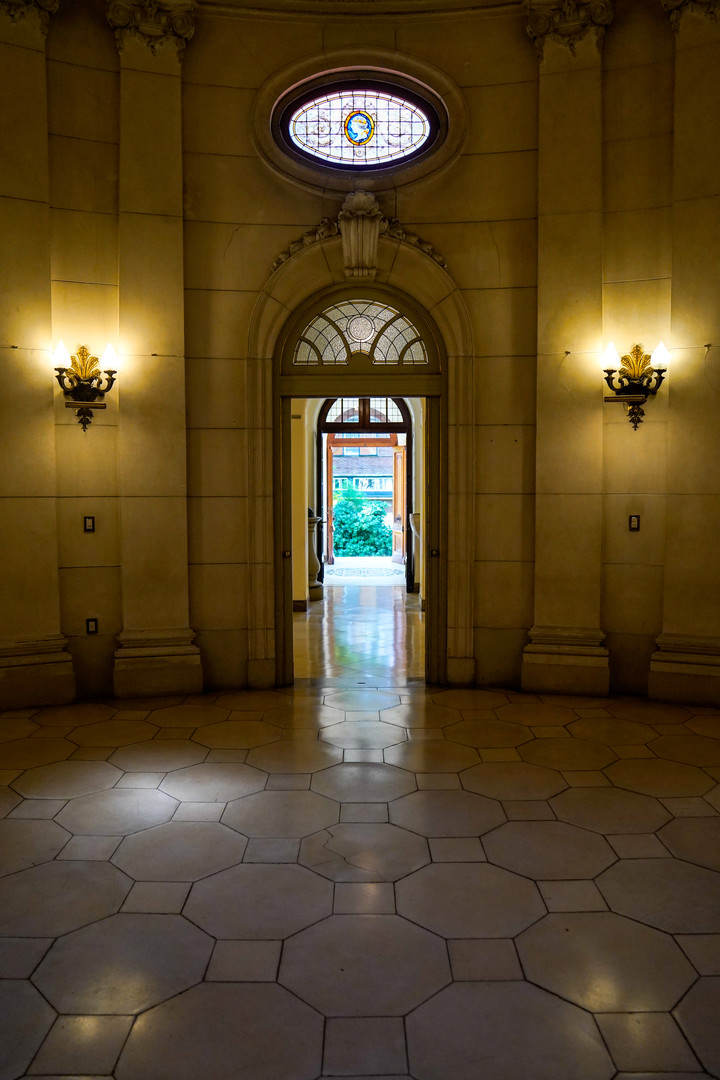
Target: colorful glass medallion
[359,127]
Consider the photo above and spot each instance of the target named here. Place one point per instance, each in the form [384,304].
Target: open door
[399,505]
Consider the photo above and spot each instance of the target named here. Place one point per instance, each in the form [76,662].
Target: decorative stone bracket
[154,22]
[361,224]
[18,9]
[567,21]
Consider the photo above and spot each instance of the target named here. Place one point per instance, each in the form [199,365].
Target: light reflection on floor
[358,631]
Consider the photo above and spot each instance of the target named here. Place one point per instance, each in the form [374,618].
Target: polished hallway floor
[360,881]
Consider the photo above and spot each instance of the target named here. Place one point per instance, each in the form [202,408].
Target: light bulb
[62,356]
[109,358]
[611,357]
[660,357]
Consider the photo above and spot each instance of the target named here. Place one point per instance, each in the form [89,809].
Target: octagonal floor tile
[465,900]
[27,753]
[363,782]
[208,1028]
[180,851]
[238,733]
[420,714]
[276,900]
[159,755]
[446,813]
[25,1019]
[536,714]
[90,712]
[649,712]
[696,839]
[705,725]
[16,729]
[512,780]
[605,963]
[362,734]
[567,754]
[57,897]
[689,749]
[672,895]
[652,776]
[281,814]
[470,699]
[117,811]
[294,756]
[432,755]
[28,843]
[610,810]
[364,965]
[361,700]
[612,732]
[254,700]
[548,850]
[192,714]
[489,733]
[8,800]
[123,964]
[213,782]
[306,715]
[67,779]
[364,852]
[698,1015]
[113,733]
[509,1030]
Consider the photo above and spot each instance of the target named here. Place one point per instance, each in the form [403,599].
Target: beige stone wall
[580,208]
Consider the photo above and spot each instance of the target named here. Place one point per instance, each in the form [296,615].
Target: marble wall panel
[76,548]
[224,657]
[504,389]
[475,53]
[504,526]
[224,256]
[498,655]
[504,321]
[90,592]
[30,607]
[486,254]
[22,175]
[643,548]
[632,599]
[235,52]
[637,244]
[218,462]
[87,464]
[476,187]
[243,190]
[219,596]
[84,247]
[154,562]
[502,117]
[83,174]
[217,119]
[504,457]
[217,529]
[503,594]
[629,187]
[83,102]
[216,393]
[27,453]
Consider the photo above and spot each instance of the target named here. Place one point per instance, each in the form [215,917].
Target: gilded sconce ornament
[154,22]
[677,8]
[567,21]
[635,381]
[83,384]
[18,9]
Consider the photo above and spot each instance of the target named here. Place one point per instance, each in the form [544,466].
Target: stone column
[156,653]
[35,666]
[566,651]
[686,665]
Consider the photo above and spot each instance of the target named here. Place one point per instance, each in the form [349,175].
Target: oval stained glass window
[359,127]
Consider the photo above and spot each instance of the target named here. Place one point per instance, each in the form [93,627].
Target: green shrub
[359,527]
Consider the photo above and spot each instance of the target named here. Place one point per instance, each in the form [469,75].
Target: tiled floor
[360,881]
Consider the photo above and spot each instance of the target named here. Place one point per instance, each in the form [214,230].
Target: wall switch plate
[91,626]
[634,523]
[89,524]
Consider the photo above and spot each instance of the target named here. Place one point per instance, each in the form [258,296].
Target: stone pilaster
[156,653]
[566,642]
[35,666]
[686,665]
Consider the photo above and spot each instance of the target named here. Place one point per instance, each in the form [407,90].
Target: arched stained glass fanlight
[360,127]
[360,326]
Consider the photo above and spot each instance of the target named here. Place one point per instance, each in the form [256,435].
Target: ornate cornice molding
[154,22]
[18,9]
[567,21]
[677,8]
[361,224]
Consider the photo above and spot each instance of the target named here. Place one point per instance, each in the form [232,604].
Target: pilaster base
[685,668]
[316,592]
[36,673]
[155,662]
[566,660]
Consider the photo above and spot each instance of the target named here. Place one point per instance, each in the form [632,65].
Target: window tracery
[360,326]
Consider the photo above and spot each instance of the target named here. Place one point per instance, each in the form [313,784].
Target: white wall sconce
[638,378]
[82,382]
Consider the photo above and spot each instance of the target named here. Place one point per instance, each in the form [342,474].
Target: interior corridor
[360,876]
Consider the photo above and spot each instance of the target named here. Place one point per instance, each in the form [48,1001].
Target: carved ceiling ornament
[154,22]
[567,21]
[361,224]
[18,9]
[677,8]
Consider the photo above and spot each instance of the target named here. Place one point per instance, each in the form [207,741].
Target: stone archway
[413,280]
